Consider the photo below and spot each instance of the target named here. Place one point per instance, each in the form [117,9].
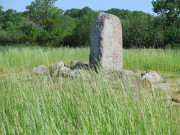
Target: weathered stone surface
[106,43]
[57,66]
[54,73]
[61,64]
[74,62]
[127,74]
[83,65]
[151,76]
[76,73]
[64,71]
[39,69]
[86,63]
[137,72]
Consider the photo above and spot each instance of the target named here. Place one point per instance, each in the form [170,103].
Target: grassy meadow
[40,104]
[23,59]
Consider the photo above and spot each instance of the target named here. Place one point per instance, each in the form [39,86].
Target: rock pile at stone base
[77,68]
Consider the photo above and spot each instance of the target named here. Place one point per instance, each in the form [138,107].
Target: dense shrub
[11,37]
[82,32]
[138,32]
[73,28]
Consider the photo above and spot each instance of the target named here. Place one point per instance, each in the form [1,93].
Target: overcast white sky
[138,5]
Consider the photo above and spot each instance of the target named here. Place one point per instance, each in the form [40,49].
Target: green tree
[82,32]
[10,18]
[77,13]
[121,13]
[84,11]
[170,8]
[1,7]
[138,32]
[63,28]
[138,14]
[1,16]
[74,12]
[53,26]
[43,13]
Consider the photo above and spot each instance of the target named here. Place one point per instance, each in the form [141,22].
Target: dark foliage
[169,8]
[46,25]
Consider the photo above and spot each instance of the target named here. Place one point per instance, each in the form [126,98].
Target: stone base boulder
[64,72]
[127,74]
[151,76]
[57,66]
[137,72]
[76,73]
[54,73]
[81,65]
[129,78]
[54,68]
[74,62]
[39,69]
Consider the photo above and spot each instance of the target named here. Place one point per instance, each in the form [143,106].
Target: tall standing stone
[106,43]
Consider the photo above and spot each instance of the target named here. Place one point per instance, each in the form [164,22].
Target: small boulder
[126,74]
[55,73]
[137,72]
[76,73]
[81,65]
[74,62]
[151,76]
[39,69]
[57,66]
[64,71]
[61,64]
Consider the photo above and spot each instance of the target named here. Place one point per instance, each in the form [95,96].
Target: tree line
[46,25]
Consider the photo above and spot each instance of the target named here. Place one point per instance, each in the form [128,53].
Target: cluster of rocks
[61,70]
[77,68]
[136,76]
[149,76]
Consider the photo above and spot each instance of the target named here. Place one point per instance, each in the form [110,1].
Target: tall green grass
[163,60]
[39,104]
[21,59]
